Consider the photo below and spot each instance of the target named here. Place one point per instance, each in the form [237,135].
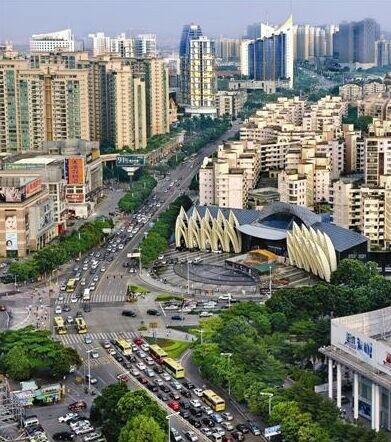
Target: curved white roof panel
[263,232]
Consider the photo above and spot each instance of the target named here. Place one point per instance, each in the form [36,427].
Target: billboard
[75,170]
[33,187]
[130,160]
[76,198]
[12,194]
[11,234]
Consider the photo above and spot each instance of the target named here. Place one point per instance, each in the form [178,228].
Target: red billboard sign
[75,170]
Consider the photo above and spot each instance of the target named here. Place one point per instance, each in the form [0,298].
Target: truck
[86,295]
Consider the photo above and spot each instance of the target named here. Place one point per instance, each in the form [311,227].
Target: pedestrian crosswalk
[75,339]
[95,297]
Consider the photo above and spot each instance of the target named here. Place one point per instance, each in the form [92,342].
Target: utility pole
[228,355]
[269,395]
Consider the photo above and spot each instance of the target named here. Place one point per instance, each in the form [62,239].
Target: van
[216,437]
[29,421]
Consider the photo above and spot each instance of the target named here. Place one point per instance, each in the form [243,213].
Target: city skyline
[20,19]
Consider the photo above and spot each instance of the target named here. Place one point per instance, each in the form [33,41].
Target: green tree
[354,273]
[17,363]
[142,428]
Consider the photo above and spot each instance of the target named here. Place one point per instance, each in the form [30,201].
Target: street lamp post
[200,331]
[168,417]
[228,355]
[89,367]
[269,395]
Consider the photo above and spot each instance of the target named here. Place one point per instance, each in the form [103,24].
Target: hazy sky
[21,18]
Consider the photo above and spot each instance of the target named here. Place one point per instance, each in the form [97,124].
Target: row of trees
[128,416]
[24,352]
[279,340]
[50,257]
[156,242]
[138,193]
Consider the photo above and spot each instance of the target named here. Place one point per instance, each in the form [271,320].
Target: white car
[140,366]
[61,297]
[176,385]
[83,282]
[121,246]
[196,403]
[207,410]
[219,430]
[150,373]
[198,392]
[227,416]
[84,430]
[144,347]
[111,351]
[206,431]
[79,424]
[228,426]
[206,314]
[94,355]
[67,417]
[149,360]
[134,371]
[141,354]
[165,376]
[103,269]
[190,435]
[73,299]
[226,297]
[92,436]
[58,310]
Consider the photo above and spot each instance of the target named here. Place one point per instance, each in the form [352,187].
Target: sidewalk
[163,333]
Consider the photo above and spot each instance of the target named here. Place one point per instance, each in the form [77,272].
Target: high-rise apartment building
[123,46]
[244,67]
[145,46]
[198,76]
[48,103]
[100,44]
[127,107]
[271,57]
[313,41]
[383,53]
[53,41]
[228,49]
[355,42]
[157,96]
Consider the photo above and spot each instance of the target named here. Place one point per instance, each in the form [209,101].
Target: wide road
[182,176]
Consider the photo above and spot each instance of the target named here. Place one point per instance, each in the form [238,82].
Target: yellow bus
[213,400]
[71,285]
[157,353]
[174,368]
[59,325]
[81,325]
[124,346]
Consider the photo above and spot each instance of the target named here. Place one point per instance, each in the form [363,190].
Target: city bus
[81,325]
[174,368]
[124,346]
[71,285]
[157,353]
[59,325]
[213,400]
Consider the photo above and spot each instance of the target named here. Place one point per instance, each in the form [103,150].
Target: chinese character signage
[75,169]
[358,344]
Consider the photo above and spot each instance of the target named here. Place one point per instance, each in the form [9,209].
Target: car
[205,314]
[175,436]
[69,320]
[153,312]
[195,403]
[73,299]
[198,392]
[176,385]
[228,438]
[150,373]
[226,297]
[242,428]
[141,366]
[237,435]
[208,422]
[166,377]
[79,424]
[106,344]
[66,308]
[217,418]
[165,388]
[83,282]
[152,387]
[219,430]
[86,307]
[84,430]
[63,287]
[76,406]
[87,339]
[138,341]
[176,318]
[103,269]
[189,385]
[184,404]
[67,417]
[227,416]
[227,425]
[129,313]
[92,436]
[197,412]
[91,380]
[58,310]
[174,405]
[163,397]
[194,422]
[149,360]
[207,410]
[253,426]
[186,393]
[94,354]
[63,435]
[144,347]
[134,371]
[60,298]
[175,396]
[142,379]
[206,431]
[190,435]
[118,357]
